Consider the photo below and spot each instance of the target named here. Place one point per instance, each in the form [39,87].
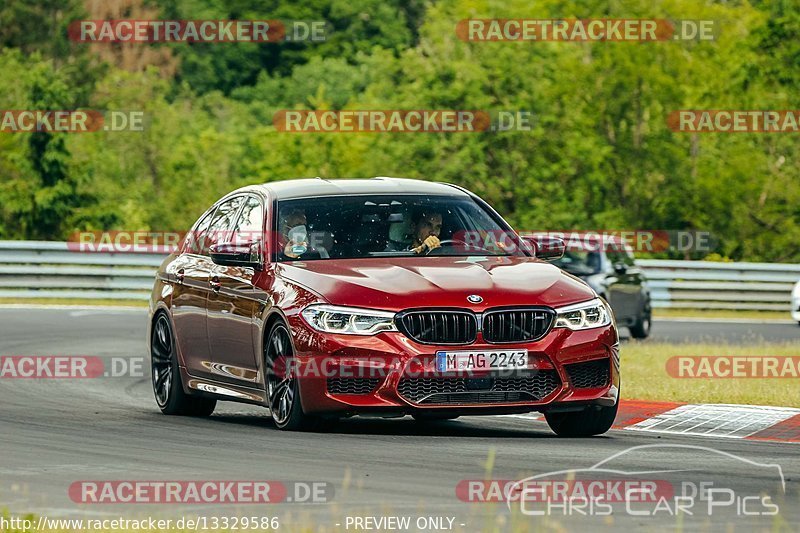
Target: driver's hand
[431,243]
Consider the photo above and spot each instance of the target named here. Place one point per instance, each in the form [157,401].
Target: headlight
[587,315]
[350,320]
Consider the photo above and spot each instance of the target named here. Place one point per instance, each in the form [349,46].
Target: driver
[425,230]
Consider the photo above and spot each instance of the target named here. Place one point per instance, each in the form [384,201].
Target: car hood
[400,283]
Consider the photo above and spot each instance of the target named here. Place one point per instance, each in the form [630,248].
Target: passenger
[294,236]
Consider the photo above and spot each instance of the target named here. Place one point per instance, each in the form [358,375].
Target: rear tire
[593,420]
[166,376]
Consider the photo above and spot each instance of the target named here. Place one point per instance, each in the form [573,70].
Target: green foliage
[40,196]
[39,25]
[599,154]
[352,28]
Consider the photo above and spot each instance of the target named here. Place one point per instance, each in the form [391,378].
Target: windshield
[346,227]
[579,262]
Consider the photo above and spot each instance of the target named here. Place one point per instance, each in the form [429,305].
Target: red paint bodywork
[221,334]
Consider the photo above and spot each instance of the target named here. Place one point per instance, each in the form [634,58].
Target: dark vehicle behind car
[611,270]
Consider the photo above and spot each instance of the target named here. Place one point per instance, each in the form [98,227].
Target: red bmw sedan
[322,299]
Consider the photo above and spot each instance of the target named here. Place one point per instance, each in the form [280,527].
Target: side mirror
[246,254]
[547,248]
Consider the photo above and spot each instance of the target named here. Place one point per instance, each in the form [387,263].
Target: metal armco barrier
[711,285]
[36,269]
[33,269]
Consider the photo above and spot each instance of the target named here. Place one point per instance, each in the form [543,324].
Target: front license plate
[492,360]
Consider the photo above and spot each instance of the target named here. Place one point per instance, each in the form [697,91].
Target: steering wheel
[451,242]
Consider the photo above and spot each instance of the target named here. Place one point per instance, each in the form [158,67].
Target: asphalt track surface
[56,432]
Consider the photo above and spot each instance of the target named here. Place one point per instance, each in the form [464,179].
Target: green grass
[721,313]
[644,375]
[74,301]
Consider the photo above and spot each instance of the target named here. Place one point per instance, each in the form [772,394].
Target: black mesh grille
[439,327]
[589,374]
[524,387]
[352,385]
[517,325]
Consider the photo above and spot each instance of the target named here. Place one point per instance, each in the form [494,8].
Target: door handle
[215,284]
[180,275]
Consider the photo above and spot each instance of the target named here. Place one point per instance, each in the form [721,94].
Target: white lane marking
[527,416]
[716,420]
[95,312]
[732,423]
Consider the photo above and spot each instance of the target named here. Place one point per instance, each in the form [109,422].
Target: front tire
[281,382]
[166,376]
[593,420]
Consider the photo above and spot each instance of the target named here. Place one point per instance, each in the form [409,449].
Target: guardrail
[34,269]
[711,285]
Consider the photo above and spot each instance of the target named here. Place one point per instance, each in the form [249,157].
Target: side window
[195,238]
[219,230]
[249,226]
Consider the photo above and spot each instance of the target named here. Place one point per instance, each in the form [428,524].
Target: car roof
[314,187]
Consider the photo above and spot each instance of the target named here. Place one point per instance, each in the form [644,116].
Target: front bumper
[391,374]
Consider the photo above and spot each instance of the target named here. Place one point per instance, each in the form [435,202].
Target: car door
[190,273]
[234,301]
[199,277]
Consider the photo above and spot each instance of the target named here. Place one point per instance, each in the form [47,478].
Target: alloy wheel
[161,356]
[280,375]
